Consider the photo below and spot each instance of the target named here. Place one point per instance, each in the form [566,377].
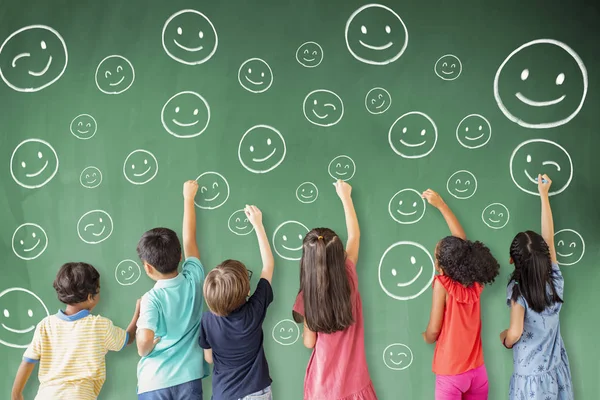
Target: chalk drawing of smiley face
[413,135]
[307,193]
[309,54]
[189,37]
[286,332]
[213,190]
[540,156]
[570,247]
[406,270]
[140,167]
[323,107]
[90,177]
[33,163]
[261,149]
[342,167]
[376,35]
[542,84]
[288,239]
[462,184]
[448,67]
[473,131]
[397,356]
[407,206]
[33,58]
[238,223]
[29,241]
[114,75]
[378,100]
[496,216]
[185,115]
[20,311]
[127,272]
[95,226]
[255,75]
[84,126]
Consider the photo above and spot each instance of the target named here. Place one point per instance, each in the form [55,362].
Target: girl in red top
[330,307]
[455,322]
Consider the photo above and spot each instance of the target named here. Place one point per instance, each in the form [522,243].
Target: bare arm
[512,335]
[255,217]
[23,374]
[344,191]
[145,342]
[208,356]
[190,245]
[309,337]
[547,221]
[437,314]
[436,200]
[133,324]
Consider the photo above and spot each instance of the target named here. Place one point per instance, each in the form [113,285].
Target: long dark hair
[466,262]
[533,271]
[324,282]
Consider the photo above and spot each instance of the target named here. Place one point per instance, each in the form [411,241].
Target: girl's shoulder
[458,291]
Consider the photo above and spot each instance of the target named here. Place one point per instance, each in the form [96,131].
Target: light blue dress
[541,365]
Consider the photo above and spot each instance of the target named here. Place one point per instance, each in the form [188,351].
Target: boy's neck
[73,309]
[170,275]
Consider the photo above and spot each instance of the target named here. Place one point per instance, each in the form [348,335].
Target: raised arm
[544,183]
[344,191]
[436,200]
[190,246]
[255,217]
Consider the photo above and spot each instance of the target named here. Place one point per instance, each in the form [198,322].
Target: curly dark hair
[467,262]
[160,247]
[75,281]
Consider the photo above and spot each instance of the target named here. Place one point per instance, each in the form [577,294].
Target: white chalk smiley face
[189,37]
[140,167]
[213,190]
[448,67]
[473,131]
[127,272]
[413,135]
[114,75]
[20,311]
[570,247]
[378,100]
[307,193]
[95,226]
[29,241]
[397,356]
[496,216]
[261,149]
[407,206]
[84,126]
[185,115]
[238,223]
[288,240]
[33,163]
[342,167]
[255,75]
[33,58]
[90,177]
[286,332]
[462,184]
[309,54]
[323,107]
[406,270]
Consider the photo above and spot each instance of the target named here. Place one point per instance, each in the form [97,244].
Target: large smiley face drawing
[540,156]
[378,100]
[84,126]
[114,75]
[185,115]
[33,163]
[462,184]
[413,135]
[309,54]
[29,241]
[342,167]
[213,190]
[307,193]
[288,239]
[33,58]
[407,206]
[189,37]
[255,75]
[473,131]
[496,216]
[140,167]
[570,247]
[261,149]
[376,35]
[323,107]
[90,177]
[238,223]
[541,84]
[406,270]
[127,272]
[448,67]
[397,356]
[94,226]
[286,332]
[20,311]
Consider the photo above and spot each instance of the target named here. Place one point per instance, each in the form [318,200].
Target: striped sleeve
[115,338]
[34,350]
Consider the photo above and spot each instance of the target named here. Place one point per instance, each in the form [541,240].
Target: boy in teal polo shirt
[168,328]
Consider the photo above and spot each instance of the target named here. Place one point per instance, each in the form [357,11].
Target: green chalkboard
[462,97]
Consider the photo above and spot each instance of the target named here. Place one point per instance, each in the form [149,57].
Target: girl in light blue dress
[534,295]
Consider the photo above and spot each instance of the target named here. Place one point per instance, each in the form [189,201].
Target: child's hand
[503,335]
[254,215]
[343,189]
[189,189]
[424,334]
[543,184]
[433,198]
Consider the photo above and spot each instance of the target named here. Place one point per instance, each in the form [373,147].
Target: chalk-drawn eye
[262,74]
[560,79]
[347,166]
[285,240]
[6,313]
[201,34]
[404,130]
[300,237]
[528,158]
[314,53]
[400,202]
[196,111]
[176,109]
[291,330]
[252,149]
[380,96]
[306,51]
[146,162]
[122,272]
[480,127]
[467,129]
[119,68]
[88,125]
[415,204]
[458,181]
[372,101]
[106,74]
[23,164]
[39,154]
[33,235]
[561,243]
[87,176]
[453,65]
[179,31]
[467,182]
[413,260]
[363,29]
[388,29]
[524,74]
[237,220]
[394,271]
[315,102]
[80,123]
[501,215]
[444,64]
[423,132]
[269,141]
[100,220]
[203,189]
[573,244]
[215,185]
[22,243]
[493,212]
[338,165]
[249,70]
[43,45]
[30,313]
[282,330]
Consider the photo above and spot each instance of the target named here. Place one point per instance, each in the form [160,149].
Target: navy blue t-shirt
[240,366]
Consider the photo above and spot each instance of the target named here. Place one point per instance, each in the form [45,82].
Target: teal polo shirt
[172,310]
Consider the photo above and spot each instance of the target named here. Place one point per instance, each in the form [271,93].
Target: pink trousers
[470,385]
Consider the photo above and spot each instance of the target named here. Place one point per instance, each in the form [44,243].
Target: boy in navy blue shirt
[231,333]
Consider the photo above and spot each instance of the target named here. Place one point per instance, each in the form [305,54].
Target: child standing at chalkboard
[330,307]
[463,267]
[534,295]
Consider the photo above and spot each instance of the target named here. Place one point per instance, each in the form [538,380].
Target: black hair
[160,247]
[75,281]
[467,262]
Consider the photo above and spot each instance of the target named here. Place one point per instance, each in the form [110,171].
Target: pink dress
[337,369]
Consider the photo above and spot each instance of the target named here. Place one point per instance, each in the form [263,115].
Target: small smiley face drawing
[29,241]
[94,226]
[189,37]
[140,167]
[238,223]
[33,163]
[495,216]
[323,107]
[407,206]
[255,75]
[84,126]
[90,177]
[448,67]
[185,115]
[213,190]
[114,75]
[342,167]
[286,332]
[397,356]
[33,58]
[288,239]
[20,311]
[261,149]
[127,272]
[307,193]
[309,54]
[570,247]
[462,184]
[473,131]
[413,135]
[378,100]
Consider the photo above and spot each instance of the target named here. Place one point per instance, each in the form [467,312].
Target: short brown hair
[75,281]
[226,287]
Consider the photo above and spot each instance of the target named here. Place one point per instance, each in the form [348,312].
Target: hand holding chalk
[544,183]
[343,189]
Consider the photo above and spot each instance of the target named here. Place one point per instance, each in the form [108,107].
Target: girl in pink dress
[330,307]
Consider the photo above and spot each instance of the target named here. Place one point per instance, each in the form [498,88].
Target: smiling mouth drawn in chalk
[144,173]
[562,243]
[32,248]
[282,330]
[324,105]
[130,278]
[39,172]
[534,180]
[183,124]
[18,330]
[411,144]
[534,103]
[413,280]
[265,158]
[292,248]
[95,234]
[399,354]
[253,82]
[81,124]
[407,214]
[384,47]
[32,73]
[191,49]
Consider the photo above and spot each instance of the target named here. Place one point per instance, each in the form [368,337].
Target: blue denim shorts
[191,390]
[264,394]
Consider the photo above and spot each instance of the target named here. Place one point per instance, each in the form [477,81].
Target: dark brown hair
[226,287]
[466,262]
[160,247]
[75,281]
